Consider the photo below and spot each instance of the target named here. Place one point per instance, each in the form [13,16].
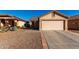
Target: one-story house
[11,20]
[51,21]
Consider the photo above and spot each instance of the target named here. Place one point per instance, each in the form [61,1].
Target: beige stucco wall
[59,17]
[47,16]
[20,23]
[52,17]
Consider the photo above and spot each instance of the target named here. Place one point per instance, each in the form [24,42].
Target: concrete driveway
[61,39]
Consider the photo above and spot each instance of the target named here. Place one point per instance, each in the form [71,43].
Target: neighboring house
[11,20]
[20,22]
[73,23]
[51,21]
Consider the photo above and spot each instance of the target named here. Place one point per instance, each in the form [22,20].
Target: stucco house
[11,20]
[51,21]
[20,22]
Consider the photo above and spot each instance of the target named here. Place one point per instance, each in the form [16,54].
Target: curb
[44,42]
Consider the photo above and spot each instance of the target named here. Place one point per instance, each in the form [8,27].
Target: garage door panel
[52,25]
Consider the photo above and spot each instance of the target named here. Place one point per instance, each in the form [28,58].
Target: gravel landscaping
[21,39]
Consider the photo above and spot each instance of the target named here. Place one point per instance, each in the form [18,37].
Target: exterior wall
[73,24]
[52,17]
[59,17]
[20,23]
[40,25]
[66,25]
[47,16]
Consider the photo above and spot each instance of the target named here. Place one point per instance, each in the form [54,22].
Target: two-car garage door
[52,25]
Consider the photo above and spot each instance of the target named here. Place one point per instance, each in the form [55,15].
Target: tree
[27,25]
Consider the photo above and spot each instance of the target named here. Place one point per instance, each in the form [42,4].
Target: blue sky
[27,14]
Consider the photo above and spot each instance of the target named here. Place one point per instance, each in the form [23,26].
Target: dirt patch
[21,39]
